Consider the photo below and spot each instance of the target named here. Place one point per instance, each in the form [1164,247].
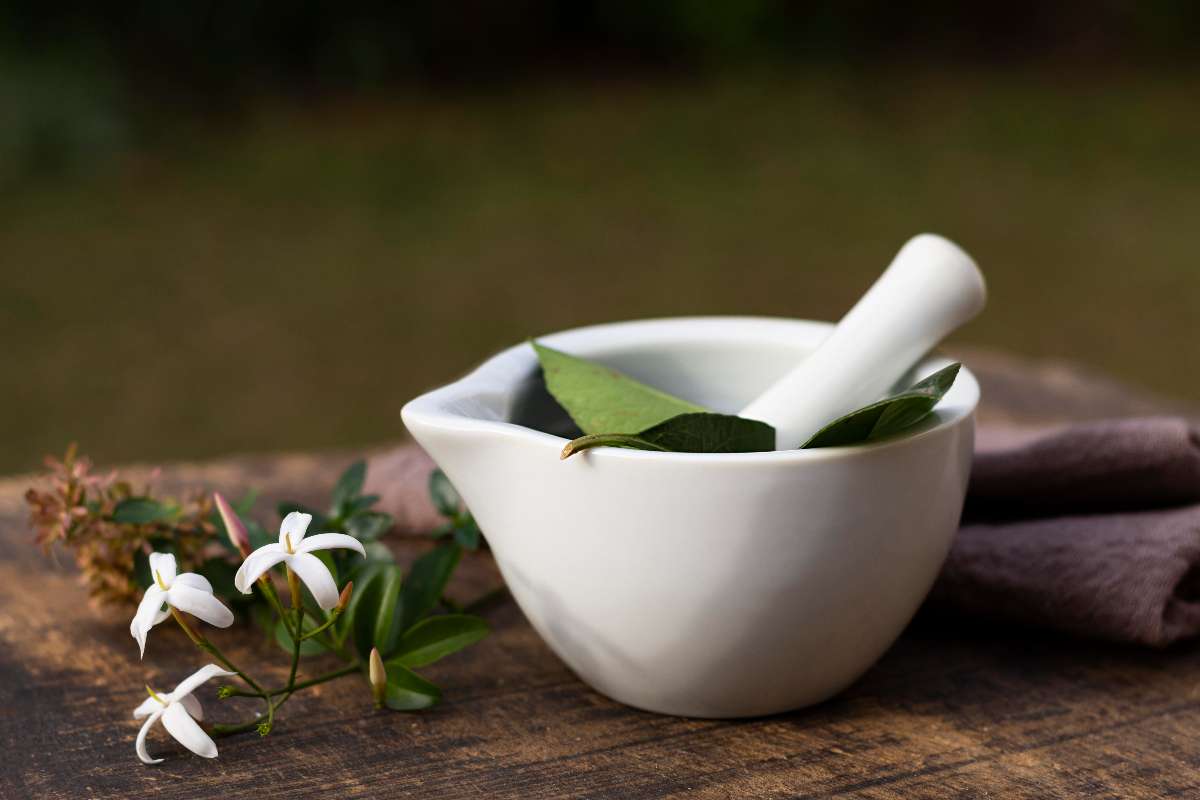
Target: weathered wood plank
[948,712]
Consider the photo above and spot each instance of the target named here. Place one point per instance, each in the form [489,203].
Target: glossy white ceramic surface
[709,585]
[931,288]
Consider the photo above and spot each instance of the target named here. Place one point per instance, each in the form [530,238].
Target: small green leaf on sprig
[142,510]
[460,525]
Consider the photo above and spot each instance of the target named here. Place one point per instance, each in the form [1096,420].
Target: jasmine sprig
[381,626]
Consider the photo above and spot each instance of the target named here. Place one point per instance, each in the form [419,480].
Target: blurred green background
[240,227]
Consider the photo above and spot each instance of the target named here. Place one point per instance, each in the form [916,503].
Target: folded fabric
[1119,465]
[1091,529]
[1128,577]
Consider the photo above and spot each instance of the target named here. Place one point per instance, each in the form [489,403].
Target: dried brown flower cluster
[109,527]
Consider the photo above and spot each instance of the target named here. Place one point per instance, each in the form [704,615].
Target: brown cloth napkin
[1091,529]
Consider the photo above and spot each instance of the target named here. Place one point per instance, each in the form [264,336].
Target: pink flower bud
[233,525]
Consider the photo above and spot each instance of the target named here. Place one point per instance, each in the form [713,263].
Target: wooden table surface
[948,712]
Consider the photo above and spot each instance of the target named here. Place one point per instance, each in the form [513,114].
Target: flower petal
[331,541]
[148,706]
[162,564]
[193,681]
[192,705]
[200,604]
[140,744]
[187,731]
[147,616]
[294,526]
[195,581]
[316,577]
[256,564]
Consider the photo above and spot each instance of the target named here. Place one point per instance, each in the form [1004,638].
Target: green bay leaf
[602,400]
[688,433]
[889,416]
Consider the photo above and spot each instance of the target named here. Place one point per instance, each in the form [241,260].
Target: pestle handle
[931,287]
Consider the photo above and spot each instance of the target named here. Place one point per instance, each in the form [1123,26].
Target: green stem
[223,729]
[328,676]
[268,590]
[204,644]
[319,629]
[609,440]
[297,639]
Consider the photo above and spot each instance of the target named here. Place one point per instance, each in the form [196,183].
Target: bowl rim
[436,409]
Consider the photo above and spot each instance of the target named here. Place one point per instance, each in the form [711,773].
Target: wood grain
[948,712]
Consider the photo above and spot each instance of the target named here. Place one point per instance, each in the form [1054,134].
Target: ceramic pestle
[931,287]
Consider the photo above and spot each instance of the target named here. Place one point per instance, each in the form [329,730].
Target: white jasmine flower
[187,592]
[294,550]
[179,712]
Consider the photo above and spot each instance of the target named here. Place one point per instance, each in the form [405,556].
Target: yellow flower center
[154,694]
[287,540]
[158,579]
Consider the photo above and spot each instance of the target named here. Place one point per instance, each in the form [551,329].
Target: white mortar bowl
[698,584]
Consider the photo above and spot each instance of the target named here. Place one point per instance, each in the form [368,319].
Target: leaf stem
[268,590]
[609,440]
[297,638]
[204,644]
[224,729]
[321,628]
[328,676]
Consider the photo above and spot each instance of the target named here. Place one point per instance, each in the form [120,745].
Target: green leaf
[387,619]
[367,526]
[349,486]
[142,510]
[437,637]
[141,569]
[246,504]
[467,533]
[362,503]
[376,621]
[688,433]
[362,576]
[309,647]
[445,497]
[258,534]
[426,581]
[602,400]
[219,573]
[888,416]
[408,691]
